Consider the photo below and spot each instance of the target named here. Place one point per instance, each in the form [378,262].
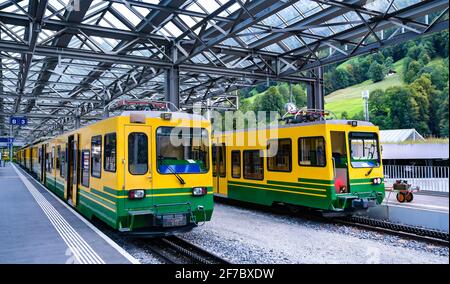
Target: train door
[219,165]
[31,159]
[137,168]
[340,163]
[72,170]
[43,159]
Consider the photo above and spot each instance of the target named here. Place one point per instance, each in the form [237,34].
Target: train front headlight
[376,181]
[136,194]
[199,191]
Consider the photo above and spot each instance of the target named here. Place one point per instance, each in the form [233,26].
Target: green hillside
[350,100]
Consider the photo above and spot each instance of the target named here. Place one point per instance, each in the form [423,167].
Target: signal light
[166,116]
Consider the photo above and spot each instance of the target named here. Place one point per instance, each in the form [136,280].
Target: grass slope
[350,98]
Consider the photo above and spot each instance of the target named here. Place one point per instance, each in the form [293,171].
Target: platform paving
[37,227]
[420,201]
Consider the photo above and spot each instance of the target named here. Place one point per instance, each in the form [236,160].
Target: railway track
[384,226]
[177,250]
[396,228]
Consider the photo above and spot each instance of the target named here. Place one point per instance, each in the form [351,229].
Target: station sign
[18,120]
[8,140]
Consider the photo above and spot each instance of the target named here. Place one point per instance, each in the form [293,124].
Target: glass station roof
[63,58]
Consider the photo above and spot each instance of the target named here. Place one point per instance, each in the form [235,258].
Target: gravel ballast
[243,235]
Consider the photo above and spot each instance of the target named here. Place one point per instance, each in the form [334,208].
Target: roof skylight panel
[209,5]
[307,7]
[114,22]
[188,20]
[173,30]
[195,8]
[322,31]
[289,15]
[126,13]
[59,4]
[292,42]
[274,48]
[142,11]
[274,21]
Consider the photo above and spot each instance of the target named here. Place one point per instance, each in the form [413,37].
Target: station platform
[426,210]
[38,227]
[421,201]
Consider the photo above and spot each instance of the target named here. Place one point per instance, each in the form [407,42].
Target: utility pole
[365,96]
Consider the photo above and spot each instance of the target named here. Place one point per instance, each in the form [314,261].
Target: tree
[438,73]
[271,100]
[344,115]
[422,90]
[339,78]
[443,113]
[379,109]
[376,72]
[299,93]
[412,69]
[403,108]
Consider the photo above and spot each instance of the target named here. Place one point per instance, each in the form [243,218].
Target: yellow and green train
[142,172]
[331,165]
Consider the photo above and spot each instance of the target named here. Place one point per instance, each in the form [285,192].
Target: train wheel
[401,197]
[409,197]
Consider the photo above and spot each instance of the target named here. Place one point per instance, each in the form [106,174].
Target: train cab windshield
[364,150]
[182,150]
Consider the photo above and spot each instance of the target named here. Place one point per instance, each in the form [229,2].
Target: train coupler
[363,203]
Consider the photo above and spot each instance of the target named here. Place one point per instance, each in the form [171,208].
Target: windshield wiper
[180,179]
[370,171]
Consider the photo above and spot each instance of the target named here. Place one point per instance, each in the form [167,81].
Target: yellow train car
[142,172]
[331,165]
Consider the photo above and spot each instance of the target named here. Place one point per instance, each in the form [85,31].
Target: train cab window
[137,153]
[253,165]
[279,155]
[182,150]
[364,150]
[85,163]
[96,158]
[110,152]
[311,151]
[236,164]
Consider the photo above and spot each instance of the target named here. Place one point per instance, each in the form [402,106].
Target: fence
[433,178]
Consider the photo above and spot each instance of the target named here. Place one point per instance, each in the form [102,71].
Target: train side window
[62,168]
[96,158]
[236,164]
[85,164]
[279,155]
[110,152]
[253,165]
[53,158]
[137,153]
[58,158]
[311,151]
[48,161]
[222,160]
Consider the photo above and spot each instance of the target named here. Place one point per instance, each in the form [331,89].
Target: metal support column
[105,102]
[77,119]
[314,91]
[172,86]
